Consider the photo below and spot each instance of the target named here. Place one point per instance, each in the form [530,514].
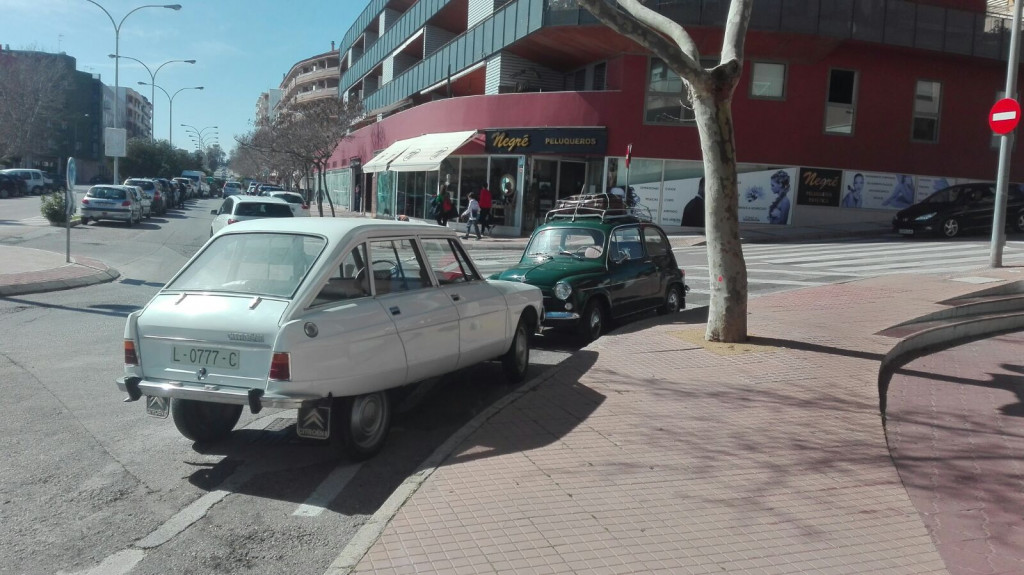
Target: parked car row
[35,182]
[135,200]
[307,314]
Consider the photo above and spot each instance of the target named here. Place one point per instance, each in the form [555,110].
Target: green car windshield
[579,243]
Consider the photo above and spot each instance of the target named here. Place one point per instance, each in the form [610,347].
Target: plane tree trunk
[710,94]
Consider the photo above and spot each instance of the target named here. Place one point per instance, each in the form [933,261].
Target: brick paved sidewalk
[955,428]
[651,452]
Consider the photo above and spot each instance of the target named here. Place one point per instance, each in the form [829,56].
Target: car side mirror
[213,212]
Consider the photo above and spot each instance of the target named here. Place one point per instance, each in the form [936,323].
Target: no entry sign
[1005,116]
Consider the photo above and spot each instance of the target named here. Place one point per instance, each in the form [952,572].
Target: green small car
[596,267]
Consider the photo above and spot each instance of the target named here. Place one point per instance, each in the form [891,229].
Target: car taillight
[305,206]
[232,220]
[156,195]
[85,201]
[126,204]
[130,357]
[281,367]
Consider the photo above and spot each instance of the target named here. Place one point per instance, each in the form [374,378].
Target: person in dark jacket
[693,213]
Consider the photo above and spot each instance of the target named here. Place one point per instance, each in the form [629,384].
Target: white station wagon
[328,316]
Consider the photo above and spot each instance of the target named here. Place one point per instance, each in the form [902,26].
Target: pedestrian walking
[472,214]
[485,209]
[442,206]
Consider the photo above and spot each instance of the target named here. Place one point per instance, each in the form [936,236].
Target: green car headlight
[562,291]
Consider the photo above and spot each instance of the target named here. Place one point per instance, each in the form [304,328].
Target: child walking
[473,213]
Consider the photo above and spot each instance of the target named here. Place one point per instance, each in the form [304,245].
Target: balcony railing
[892,22]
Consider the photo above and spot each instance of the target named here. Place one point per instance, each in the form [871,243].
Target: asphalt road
[92,485]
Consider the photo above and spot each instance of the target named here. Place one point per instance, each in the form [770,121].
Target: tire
[204,421]
[36,191]
[1018,222]
[131,220]
[84,221]
[361,424]
[592,321]
[950,228]
[516,361]
[673,301]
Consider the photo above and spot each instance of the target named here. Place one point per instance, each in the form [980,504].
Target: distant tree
[214,158]
[301,139]
[156,159]
[709,92]
[33,92]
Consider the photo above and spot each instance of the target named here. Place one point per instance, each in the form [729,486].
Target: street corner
[81,272]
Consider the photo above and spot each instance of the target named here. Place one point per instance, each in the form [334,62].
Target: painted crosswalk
[772,267]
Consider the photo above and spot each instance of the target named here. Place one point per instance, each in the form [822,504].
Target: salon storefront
[526,170]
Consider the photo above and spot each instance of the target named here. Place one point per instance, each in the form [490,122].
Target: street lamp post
[170,108]
[199,133]
[152,79]
[117,52]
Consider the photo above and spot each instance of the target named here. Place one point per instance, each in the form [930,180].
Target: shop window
[926,111]
[768,80]
[842,102]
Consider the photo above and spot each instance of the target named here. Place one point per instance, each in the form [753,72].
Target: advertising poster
[682,203]
[928,185]
[877,191]
[648,199]
[819,187]
[765,196]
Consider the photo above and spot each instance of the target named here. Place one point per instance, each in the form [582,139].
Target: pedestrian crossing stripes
[34,221]
[771,267]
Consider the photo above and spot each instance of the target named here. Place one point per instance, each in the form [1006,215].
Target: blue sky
[241,48]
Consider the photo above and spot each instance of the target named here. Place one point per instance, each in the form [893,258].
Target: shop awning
[425,153]
[380,162]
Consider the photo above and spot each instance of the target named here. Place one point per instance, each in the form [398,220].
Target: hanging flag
[629,154]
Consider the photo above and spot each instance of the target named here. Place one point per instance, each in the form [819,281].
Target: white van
[198,182]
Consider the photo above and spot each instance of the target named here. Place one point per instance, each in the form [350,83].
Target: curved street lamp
[170,108]
[117,52]
[199,133]
[152,79]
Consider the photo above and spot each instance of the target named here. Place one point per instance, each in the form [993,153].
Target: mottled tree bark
[711,93]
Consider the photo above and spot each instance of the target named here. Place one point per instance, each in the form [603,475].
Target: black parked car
[958,209]
[12,186]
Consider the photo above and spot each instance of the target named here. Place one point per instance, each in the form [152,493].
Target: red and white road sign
[1005,116]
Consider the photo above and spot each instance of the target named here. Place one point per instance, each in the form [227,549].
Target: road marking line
[328,489]
[184,519]
[117,564]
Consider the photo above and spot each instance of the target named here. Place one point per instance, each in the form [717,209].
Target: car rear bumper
[255,398]
[94,214]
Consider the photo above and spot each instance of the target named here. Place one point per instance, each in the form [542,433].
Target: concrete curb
[938,338]
[371,531]
[104,275]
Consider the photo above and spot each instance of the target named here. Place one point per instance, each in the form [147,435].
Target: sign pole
[995,259]
[71,174]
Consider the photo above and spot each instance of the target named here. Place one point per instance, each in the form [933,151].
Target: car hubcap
[1020,222]
[367,420]
[595,322]
[673,300]
[952,228]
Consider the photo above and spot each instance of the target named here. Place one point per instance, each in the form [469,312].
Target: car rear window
[271,264]
[144,184]
[106,194]
[261,210]
[290,198]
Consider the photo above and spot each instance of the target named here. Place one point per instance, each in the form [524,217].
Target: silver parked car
[120,203]
[330,316]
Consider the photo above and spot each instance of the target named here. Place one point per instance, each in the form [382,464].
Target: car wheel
[950,228]
[1018,223]
[131,220]
[84,221]
[204,421]
[37,191]
[592,321]
[673,301]
[516,360]
[361,424]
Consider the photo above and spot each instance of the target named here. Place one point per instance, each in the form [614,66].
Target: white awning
[425,153]
[380,162]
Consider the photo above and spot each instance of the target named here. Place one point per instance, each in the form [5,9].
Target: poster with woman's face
[878,191]
[767,197]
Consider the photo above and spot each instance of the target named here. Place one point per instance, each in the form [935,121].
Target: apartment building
[312,79]
[537,100]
